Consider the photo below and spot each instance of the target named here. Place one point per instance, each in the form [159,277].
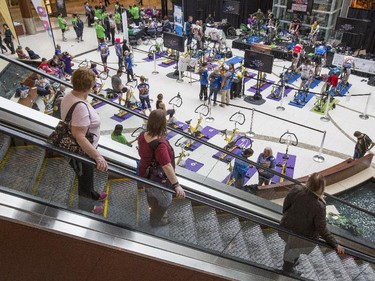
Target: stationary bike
[288,139]
[180,158]
[196,130]
[301,96]
[237,118]
[277,90]
[176,102]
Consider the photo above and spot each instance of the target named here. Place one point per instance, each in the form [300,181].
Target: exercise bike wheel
[231,31]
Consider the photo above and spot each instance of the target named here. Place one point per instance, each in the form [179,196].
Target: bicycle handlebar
[178,143]
[135,133]
[103,75]
[176,100]
[201,111]
[294,143]
[83,63]
[232,119]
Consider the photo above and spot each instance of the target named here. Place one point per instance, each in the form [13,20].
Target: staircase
[29,169]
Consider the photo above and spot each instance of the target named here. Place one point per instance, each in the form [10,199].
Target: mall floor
[268,124]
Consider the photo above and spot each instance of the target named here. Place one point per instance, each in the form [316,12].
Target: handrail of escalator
[203,199]
[187,135]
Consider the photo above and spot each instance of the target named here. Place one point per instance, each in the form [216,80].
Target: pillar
[27,15]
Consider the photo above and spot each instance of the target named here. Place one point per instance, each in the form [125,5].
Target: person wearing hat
[226,84]
[215,84]
[119,54]
[119,137]
[363,144]
[21,55]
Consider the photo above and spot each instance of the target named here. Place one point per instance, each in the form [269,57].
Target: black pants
[112,31]
[203,92]
[87,194]
[9,43]
[106,2]
[156,211]
[129,73]
[2,47]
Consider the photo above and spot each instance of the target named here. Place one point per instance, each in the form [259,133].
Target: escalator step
[352,268]
[182,226]
[20,167]
[322,270]
[231,234]
[334,263]
[276,246]
[257,244]
[122,201]
[54,181]
[4,145]
[208,229]
[305,268]
[143,209]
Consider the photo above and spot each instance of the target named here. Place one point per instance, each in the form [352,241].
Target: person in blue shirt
[240,168]
[188,31]
[203,73]
[319,58]
[129,66]
[103,48]
[144,94]
[215,84]
[226,84]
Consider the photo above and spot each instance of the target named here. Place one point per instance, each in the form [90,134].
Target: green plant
[344,223]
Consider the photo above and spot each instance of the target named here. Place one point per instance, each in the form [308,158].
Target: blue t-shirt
[321,50]
[129,64]
[240,168]
[215,84]
[204,77]
[229,78]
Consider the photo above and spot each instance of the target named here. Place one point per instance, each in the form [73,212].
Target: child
[144,94]
[161,105]
[62,25]
[21,55]
[32,54]
[119,137]
[129,66]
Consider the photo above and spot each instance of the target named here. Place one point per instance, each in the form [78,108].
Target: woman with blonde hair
[84,119]
[304,213]
[267,160]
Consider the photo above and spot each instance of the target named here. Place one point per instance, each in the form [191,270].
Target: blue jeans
[213,91]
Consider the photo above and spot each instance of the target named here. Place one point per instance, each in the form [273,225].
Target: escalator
[199,222]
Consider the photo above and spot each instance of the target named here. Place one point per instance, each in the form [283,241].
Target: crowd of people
[156,154]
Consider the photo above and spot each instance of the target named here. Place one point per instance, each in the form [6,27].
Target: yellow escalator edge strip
[137,207]
[121,179]
[39,178]
[108,188]
[73,192]
[6,157]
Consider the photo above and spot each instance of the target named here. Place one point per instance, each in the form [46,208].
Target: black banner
[352,26]
[231,7]
[174,41]
[258,61]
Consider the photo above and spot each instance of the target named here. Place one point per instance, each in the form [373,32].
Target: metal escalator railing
[198,221]
[364,212]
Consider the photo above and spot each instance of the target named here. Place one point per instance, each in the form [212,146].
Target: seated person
[251,20]
[46,67]
[294,26]
[117,85]
[210,20]
[44,88]
[306,70]
[161,105]
[215,37]
[347,67]
[32,54]
[167,26]
[119,137]
[21,55]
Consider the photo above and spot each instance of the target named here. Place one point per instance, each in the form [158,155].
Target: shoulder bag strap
[68,116]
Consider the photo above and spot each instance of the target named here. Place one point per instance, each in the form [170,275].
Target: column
[27,15]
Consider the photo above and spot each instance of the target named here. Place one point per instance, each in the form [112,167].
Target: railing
[214,148]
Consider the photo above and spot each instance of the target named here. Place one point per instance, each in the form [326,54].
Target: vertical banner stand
[319,158]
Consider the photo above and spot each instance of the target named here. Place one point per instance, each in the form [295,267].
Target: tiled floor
[338,143]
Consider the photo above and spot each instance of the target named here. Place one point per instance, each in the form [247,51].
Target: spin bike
[277,90]
[97,89]
[301,96]
[242,143]
[288,139]
[237,118]
[180,158]
[176,102]
[196,130]
[320,104]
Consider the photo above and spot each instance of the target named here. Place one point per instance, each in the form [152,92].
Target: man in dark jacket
[304,212]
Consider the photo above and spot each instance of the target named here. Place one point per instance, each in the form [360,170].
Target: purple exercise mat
[125,116]
[253,89]
[100,104]
[208,133]
[251,172]
[290,164]
[287,91]
[182,126]
[192,165]
[229,158]
[158,56]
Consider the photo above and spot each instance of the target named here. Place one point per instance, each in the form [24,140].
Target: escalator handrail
[192,195]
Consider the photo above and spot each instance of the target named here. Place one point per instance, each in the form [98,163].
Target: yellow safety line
[73,192]
[39,178]
[108,188]
[6,157]
[121,179]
